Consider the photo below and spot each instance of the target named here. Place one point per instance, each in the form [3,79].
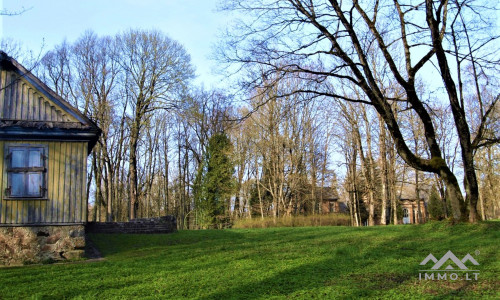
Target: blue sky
[193,23]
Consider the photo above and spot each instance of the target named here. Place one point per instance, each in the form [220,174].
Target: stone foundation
[164,224]
[41,244]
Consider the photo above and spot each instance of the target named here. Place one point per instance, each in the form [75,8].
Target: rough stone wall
[41,244]
[164,224]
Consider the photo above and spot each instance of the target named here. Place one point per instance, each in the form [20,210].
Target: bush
[294,221]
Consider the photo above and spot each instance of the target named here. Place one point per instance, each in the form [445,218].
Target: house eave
[18,133]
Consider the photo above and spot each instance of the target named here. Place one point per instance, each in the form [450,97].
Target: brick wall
[164,224]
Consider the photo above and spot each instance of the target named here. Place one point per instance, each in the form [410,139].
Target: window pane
[35,158]
[34,184]
[16,184]
[18,159]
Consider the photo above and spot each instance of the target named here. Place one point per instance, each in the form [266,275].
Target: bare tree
[330,43]
[157,72]
[94,92]
[17,12]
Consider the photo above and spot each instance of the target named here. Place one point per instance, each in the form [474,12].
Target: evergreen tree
[214,183]
[435,205]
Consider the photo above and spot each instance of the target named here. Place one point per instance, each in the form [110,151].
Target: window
[26,171]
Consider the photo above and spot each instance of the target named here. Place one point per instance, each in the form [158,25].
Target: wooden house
[44,144]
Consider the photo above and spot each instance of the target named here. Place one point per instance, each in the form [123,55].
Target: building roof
[329,193]
[30,110]
[407,192]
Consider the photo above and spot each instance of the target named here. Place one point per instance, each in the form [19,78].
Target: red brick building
[410,211]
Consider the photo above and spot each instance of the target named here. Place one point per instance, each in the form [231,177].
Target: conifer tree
[215,182]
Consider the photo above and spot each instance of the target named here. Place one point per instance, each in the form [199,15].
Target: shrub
[294,221]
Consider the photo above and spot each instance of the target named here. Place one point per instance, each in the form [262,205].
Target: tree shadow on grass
[328,278]
[380,266]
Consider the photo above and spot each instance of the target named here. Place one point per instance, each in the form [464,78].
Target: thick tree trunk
[454,195]
[132,171]
[470,180]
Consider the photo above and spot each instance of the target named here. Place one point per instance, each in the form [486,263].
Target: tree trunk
[392,183]
[417,195]
[368,177]
[132,171]
[383,171]
[454,194]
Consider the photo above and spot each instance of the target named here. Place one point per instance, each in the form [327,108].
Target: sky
[194,23]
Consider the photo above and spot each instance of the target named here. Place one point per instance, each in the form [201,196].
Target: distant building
[407,206]
[408,202]
[330,201]
[410,210]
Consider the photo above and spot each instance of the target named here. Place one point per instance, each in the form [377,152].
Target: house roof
[329,193]
[29,109]
[407,192]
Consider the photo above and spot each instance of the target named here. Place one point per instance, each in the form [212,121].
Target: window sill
[24,198]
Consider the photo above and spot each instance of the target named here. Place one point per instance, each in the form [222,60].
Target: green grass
[272,263]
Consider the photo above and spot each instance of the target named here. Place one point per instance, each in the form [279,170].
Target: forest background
[406,103]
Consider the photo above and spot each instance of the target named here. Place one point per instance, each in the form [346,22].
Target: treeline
[169,147]
[409,61]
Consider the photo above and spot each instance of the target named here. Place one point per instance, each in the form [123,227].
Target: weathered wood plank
[23,217]
[58,180]
[46,116]
[52,186]
[15,211]
[24,102]
[78,183]
[65,159]
[84,184]
[75,182]
[30,210]
[46,205]
[42,204]
[68,183]
[53,113]
[3,88]
[67,180]
[40,108]
[29,107]
[13,94]
[19,101]
[38,210]
[36,102]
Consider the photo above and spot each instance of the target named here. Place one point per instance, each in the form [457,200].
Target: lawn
[272,263]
